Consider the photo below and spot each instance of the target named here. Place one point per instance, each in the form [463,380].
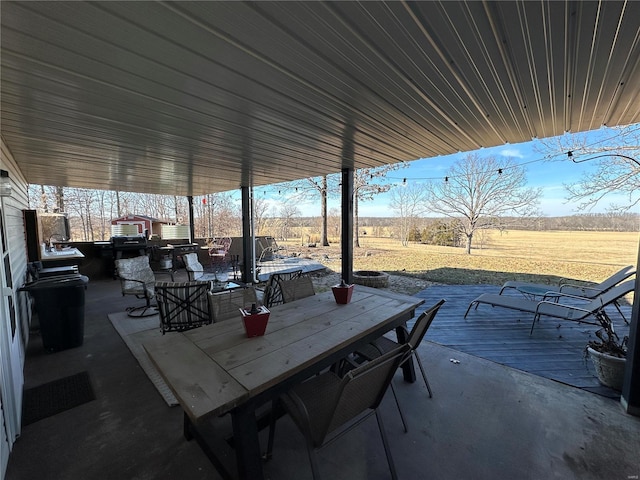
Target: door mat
[54,397]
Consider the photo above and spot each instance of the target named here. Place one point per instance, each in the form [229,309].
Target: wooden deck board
[554,350]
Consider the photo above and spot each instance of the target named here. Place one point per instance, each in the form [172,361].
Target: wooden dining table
[216,369]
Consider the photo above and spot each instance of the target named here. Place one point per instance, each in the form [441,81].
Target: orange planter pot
[255,324]
[342,293]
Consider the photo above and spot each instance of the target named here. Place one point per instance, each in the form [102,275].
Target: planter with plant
[608,353]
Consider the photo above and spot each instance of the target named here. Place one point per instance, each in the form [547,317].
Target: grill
[128,244]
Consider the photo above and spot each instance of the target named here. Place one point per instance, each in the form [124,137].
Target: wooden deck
[555,349]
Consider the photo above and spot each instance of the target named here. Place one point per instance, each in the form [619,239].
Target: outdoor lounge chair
[576,313]
[328,406]
[586,291]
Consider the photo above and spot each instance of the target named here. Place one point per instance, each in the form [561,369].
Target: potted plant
[255,320]
[608,353]
[342,292]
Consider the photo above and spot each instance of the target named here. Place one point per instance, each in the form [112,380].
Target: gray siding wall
[15,307]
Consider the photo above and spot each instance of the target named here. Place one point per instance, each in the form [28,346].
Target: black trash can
[59,303]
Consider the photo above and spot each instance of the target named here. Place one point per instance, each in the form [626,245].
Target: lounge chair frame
[555,308]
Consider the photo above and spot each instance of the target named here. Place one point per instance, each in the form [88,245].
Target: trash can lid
[59,281]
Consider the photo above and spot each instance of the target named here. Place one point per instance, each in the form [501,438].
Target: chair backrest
[362,388]
[182,305]
[226,305]
[193,266]
[296,288]
[610,296]
[422,325]
[225,242]
[272,292]
[617,277]
[136,275]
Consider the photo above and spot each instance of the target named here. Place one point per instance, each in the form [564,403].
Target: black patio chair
[383,345]
[182,305]
[327,406]
[272,292]
[296,288]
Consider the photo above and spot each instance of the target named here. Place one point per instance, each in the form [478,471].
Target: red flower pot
[342,293]
[255,323]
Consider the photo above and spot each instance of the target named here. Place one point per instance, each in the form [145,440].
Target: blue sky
[548,175]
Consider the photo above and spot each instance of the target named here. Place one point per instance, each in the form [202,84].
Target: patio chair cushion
[136,276]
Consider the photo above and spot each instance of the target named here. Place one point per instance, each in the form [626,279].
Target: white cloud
[511,152]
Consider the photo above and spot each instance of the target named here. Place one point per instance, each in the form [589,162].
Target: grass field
[541,257]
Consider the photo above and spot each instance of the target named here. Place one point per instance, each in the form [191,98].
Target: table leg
[186,427]
[246,442]
[408,367]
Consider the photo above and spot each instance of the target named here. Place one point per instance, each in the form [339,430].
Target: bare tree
[409,203]
[616,155]
[287,213]
[260,208]
[480,191]
[335,222]
[367,183]
[325,187]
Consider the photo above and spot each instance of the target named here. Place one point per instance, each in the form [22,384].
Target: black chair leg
[424,375]
[395,396]
[385,443]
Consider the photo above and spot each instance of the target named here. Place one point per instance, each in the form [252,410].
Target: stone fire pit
[370,278]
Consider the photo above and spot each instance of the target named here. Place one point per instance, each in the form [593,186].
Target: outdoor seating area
[134,419]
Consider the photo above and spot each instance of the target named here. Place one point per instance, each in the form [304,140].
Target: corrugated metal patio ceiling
[198,97]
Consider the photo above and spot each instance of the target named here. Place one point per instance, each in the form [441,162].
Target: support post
[347,225]
[247,236]
[630,398]
[192,231]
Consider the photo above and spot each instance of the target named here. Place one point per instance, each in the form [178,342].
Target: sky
[548,175]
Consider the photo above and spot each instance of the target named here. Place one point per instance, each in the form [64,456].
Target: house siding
[14,306]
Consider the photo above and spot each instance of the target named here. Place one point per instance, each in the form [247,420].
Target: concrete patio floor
[485,421]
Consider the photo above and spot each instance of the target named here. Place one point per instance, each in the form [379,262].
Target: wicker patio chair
[327,406]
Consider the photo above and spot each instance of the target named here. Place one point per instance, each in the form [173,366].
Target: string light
[569,154]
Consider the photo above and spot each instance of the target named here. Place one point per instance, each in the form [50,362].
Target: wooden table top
[214,368]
